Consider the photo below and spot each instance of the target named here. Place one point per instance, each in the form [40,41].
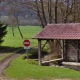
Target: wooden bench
[54,60]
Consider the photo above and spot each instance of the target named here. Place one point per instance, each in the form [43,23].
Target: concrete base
[72,65]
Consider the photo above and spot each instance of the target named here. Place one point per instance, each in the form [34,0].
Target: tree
[55,11]
[3,31]
[14,10]
[45,9]
[48,11]
[12,23]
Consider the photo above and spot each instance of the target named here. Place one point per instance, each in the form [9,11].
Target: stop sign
[26,43]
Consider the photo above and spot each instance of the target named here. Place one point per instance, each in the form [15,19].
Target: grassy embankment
[28,69]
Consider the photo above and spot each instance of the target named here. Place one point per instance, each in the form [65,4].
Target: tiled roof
[60,31]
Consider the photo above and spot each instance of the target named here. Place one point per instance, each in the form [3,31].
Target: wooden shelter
[68,34]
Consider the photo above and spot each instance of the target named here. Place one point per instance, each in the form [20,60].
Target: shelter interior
[72,50]
[69,50]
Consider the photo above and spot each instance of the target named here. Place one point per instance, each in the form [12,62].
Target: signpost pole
[27,54]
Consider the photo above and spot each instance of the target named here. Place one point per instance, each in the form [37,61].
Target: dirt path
[6,62]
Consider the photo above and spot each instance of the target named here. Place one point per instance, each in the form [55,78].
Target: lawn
[28,69]
[27,31]
[11,44]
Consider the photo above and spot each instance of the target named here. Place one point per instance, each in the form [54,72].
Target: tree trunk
[43,12]
[56,11]
[20,32]
[38,13]
[19,28]
[13,31]
[50,11]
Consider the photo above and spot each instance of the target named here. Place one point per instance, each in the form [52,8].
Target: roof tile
[60,31]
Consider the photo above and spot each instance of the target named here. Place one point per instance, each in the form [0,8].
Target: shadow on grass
[33,53]
[7,49]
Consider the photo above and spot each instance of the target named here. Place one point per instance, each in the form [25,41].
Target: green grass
[27,31]
[25,69]
[12,43]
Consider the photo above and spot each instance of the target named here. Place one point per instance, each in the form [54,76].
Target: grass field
[12,44]
[28,33]
[28,69]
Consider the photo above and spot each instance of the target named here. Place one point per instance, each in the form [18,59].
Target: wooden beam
[66,45]
[60,44]
[64,56]
[39,52]
[62,48]
[60,59]
[44,45]
[77,50]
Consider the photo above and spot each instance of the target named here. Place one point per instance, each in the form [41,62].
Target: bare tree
[56,6]
[38,13]
[12,23]
[45,9]
[14,9]
[50,11]
[76,11]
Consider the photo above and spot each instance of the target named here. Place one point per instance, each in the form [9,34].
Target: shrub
[2,31]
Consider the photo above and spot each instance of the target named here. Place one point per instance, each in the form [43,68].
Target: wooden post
[61,48]
[39,52]
[66,45]
[77,50]
[64,56]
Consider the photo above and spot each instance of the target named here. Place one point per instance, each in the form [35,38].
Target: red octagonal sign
[26,43]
